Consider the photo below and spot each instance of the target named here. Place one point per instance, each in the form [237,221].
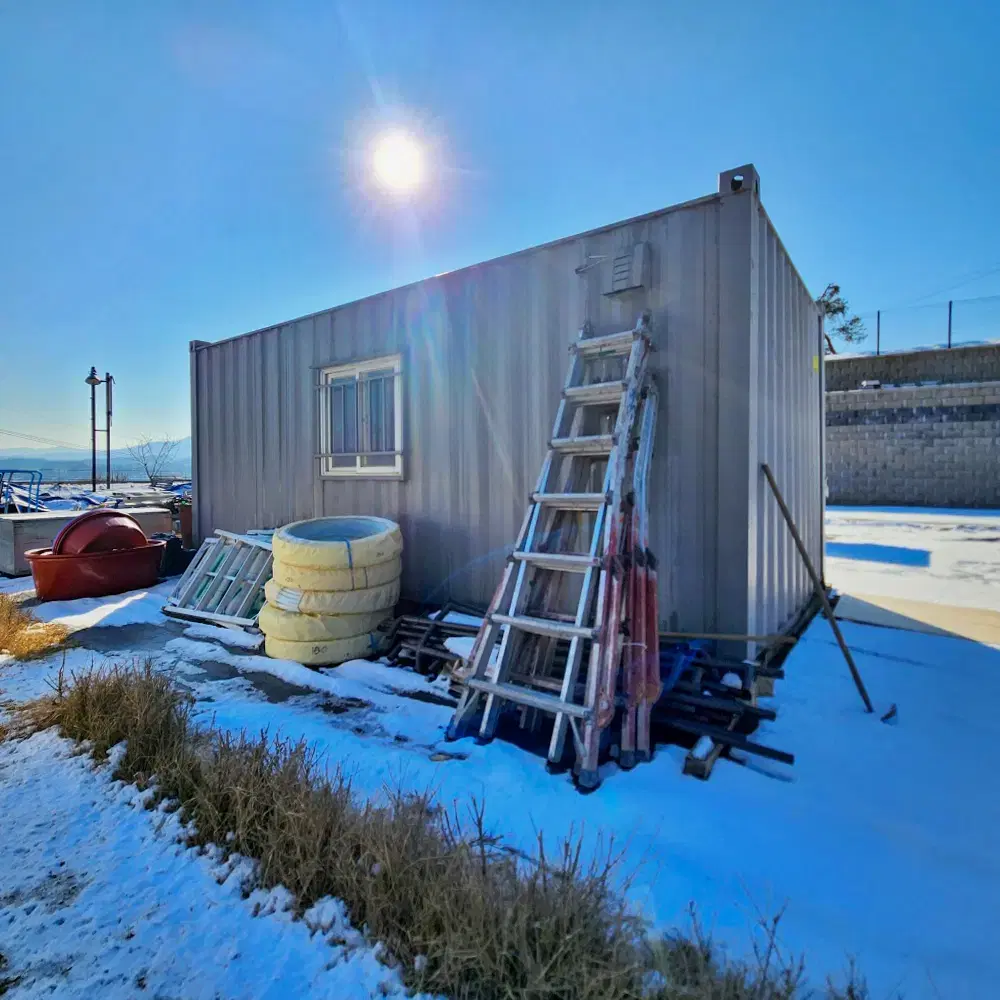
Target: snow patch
[460,645]
[135,607]
[228,636]
[16,584]
[962,567]
[285,670]
[457,618]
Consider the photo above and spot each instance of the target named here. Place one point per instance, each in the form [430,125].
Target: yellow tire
[359,578]
[298,627]
[332,602]
[324,653]
[337,542]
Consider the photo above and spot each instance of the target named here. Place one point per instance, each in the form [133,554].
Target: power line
[964,279]
[43,440]
[918,304]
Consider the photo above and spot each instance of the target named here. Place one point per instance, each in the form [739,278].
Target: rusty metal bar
[818,587]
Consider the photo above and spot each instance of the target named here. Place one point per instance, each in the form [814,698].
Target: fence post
[878,332]
[949,322]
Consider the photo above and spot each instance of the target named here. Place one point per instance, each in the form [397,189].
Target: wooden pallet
[224,583]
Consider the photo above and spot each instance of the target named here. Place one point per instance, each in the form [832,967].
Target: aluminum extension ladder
[598,539]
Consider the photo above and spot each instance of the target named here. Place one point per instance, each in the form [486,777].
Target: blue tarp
[675,659]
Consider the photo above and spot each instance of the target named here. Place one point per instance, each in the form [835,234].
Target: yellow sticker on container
[815,362]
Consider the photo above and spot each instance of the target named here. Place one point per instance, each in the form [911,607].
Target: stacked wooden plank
[712,702]
[420,640]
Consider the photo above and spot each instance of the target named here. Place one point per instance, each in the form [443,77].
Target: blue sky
[180,170]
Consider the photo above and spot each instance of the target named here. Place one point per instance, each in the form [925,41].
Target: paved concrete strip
[978,624]
[946,518]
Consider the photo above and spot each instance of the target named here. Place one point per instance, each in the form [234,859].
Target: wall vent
[627,269]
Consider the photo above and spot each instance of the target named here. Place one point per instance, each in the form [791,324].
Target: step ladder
[569,589]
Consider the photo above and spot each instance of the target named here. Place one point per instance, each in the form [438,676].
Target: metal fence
[938,324]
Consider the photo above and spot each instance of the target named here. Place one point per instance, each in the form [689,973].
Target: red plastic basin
[94,574]
[100,530]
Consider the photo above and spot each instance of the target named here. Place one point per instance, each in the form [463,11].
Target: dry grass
[6,982]
[23,636]
[458,912]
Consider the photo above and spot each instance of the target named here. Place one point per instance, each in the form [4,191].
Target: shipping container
[432,404]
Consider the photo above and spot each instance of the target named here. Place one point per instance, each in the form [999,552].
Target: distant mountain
[71,454]
[74,463]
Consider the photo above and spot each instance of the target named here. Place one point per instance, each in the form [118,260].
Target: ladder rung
[594,444]
[613,343]
[537,682]
[525,696]
[562,562]
[596,392]
[545,626]
[571,501]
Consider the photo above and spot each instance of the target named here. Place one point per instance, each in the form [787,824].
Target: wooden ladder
[536,613]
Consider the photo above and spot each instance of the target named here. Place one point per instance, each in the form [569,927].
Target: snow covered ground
[916,569]
[98,899]
[879,841]
[950,556]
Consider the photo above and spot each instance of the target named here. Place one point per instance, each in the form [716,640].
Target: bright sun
[398,162]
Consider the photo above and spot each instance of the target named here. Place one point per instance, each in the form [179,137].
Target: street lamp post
[93,381]
[108,380]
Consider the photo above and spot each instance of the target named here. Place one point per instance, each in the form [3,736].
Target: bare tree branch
[834,307]
[152,456]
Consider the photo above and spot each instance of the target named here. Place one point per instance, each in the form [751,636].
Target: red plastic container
[101,530]
[94,574]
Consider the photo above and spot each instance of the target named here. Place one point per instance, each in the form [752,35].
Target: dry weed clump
[23,636]
[461,914]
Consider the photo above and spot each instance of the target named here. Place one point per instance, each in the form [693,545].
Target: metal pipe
[93,438]
[107,426]
[822,454]
[950,303]
[878,332]
[730,738]
[761,640]
[818,586]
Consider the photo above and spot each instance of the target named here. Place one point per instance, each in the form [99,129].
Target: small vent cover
[627,269]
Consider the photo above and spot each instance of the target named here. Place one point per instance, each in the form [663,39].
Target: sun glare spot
[398,162]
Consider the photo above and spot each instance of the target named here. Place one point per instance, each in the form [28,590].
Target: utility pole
[93,381]
[108,379]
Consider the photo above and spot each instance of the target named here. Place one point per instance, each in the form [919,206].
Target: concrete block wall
[923,446]
[979,363]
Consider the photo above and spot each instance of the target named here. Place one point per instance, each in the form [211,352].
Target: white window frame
[357,370]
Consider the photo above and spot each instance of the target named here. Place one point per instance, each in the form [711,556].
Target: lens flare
[398,162]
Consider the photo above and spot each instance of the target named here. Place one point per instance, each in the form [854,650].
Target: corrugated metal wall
[484,356]
[789,423]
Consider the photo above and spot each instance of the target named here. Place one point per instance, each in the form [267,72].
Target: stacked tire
[334,581]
